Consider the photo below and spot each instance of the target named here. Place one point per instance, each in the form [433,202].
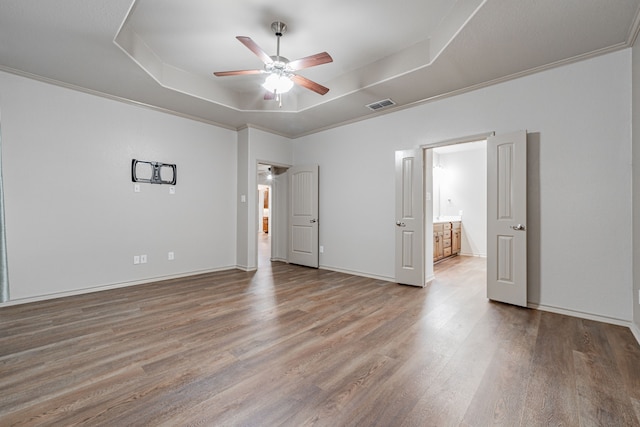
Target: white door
[303,215]
[507,218]
[409,224]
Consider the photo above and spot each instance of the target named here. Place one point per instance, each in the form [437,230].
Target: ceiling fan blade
[236,73]
[310,61]
[309,84]
[253,47]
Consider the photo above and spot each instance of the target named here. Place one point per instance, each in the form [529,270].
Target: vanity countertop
[441,219]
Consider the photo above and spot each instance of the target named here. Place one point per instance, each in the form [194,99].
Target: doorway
[506,209]
[505,193]
[455,206]
[459,193]
[264,223]
[271,213]
[265,207]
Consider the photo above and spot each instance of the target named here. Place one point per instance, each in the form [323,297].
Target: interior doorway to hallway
[270,213]
[265,207]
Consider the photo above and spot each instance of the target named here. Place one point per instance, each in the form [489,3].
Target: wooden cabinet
[456,234]
[438,241]
[446,239]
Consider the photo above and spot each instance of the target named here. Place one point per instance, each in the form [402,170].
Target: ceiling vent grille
[375,106]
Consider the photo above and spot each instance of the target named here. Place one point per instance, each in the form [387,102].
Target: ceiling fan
[281,72]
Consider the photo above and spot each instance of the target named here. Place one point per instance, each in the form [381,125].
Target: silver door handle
[400,224]
[313,221]
[519,227]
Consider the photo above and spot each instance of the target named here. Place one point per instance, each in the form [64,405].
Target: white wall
[464,188]
[435,184]
[245,188]
[73,221]
[579,179]
[635,297]
[356,201]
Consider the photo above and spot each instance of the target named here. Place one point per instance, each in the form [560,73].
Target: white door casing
[507,218]
[303,215]
[409,226]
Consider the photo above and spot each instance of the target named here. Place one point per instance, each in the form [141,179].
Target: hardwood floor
[293,346]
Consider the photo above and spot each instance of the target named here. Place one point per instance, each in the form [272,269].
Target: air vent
[375,106]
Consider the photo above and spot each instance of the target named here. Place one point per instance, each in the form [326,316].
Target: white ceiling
[162,53]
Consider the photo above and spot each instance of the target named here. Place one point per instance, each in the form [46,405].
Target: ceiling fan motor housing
[279,28]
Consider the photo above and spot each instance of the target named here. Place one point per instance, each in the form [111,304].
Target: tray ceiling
[162,53]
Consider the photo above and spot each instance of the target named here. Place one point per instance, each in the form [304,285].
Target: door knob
[519,227]
[313,221]
[400,224]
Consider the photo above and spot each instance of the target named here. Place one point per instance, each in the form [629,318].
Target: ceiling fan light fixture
[282,72]
[277,83]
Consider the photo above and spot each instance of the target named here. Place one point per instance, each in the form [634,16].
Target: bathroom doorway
[459,189]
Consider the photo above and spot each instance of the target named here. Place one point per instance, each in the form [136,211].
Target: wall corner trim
[246,268]
[635,331]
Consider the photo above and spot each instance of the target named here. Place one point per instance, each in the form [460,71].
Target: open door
[507,218]
[409,263]
[303,215]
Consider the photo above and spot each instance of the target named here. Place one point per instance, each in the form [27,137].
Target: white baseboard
[475,255]
[358,273]
[371,276]
[581,314]
[111,286]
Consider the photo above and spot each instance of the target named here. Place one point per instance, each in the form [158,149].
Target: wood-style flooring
[293,346]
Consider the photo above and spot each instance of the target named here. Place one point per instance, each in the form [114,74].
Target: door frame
[428,174]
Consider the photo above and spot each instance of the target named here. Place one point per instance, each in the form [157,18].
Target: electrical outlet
[136,259]
[170,256]
[143,259]
[172,190]
[136,188]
